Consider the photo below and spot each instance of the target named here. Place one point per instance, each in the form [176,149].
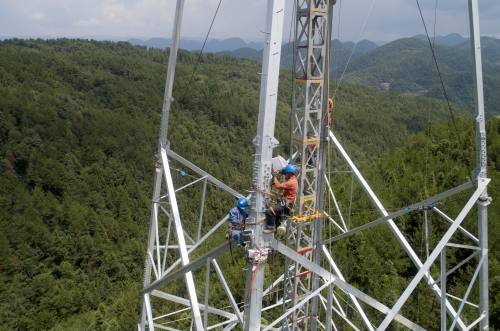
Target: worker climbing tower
[312,292]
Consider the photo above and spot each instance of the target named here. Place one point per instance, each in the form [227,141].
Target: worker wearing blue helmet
[237,219]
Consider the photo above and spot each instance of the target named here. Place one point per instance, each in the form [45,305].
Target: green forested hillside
[406,66]
[431,161]
[78,129]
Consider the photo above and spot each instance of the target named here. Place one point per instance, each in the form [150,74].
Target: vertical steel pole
[167,98]
[328,316]
[320,196]
[151,238]
[482,159]
[207,286]
[181,242]
[443,289]
[172,61]
[426,224]
[202,208]
[262,171]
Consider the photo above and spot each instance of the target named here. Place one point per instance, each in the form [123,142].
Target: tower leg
[262,171]
[482,161]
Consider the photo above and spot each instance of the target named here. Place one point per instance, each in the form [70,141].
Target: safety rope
[306,218]
[441,80]
[432,47]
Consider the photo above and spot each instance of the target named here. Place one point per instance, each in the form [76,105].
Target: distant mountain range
[453,39]
[342,50]
[406,66]
[402,66]
[212,45]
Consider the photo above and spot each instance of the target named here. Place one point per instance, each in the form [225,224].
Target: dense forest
[406,66]
[78,130]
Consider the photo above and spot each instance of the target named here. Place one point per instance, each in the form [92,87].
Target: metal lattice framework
[309,108]
[312,292]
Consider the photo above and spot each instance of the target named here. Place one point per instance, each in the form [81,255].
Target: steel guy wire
[363,27]
[200,55]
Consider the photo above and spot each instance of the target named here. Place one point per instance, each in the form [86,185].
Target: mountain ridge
[212,45]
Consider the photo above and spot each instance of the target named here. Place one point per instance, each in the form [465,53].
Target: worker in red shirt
[285,203]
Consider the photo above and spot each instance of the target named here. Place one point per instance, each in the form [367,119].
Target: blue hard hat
[289,169]
[242,203]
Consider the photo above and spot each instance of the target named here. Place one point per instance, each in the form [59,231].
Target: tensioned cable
[291,49]
[363,27]
[198,61]
[336,61]
[443,87]
[428,132]
[435,22]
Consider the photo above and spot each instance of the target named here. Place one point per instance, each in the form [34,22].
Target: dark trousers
[275,214]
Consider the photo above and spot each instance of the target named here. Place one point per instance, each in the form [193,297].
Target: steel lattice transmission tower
[310,292]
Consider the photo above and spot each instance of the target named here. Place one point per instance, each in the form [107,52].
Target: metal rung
[300,319]
[318,11]
[305,250]
[311,10]
[309,46]
[305,81]
[306,141]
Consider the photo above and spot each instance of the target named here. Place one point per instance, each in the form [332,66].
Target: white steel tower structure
[309,293]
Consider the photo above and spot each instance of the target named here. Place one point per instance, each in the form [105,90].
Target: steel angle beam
[461,263]
[203,173]
[327,276]
[189,184]
[340,313]
[226,288]
[185,302]
[181,241]
[204,238]
[149,313]
[197,244]
[482,184]
[450,220]
[298,305]
[405,210]
[353,299]
[163,327]
[162,141]
[481,170]
[467,292]
[195,264]
[392,225]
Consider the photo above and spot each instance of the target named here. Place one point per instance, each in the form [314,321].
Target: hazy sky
[389,19]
